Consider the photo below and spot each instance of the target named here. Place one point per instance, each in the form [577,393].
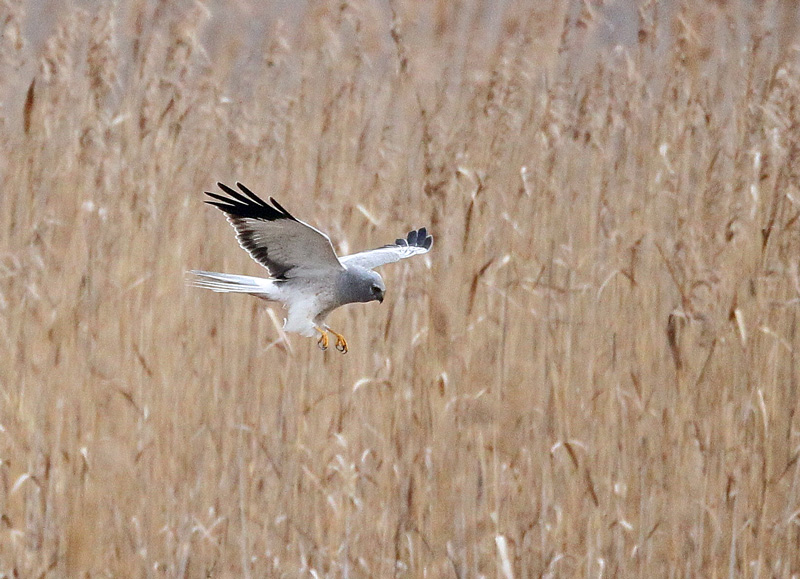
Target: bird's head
[362,285]
[377,289]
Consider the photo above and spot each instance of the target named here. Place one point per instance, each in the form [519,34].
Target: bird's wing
[416,243]
[284,245]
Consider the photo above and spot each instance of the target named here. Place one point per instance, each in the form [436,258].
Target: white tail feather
[227,282]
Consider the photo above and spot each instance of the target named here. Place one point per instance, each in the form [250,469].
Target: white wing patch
[416,243]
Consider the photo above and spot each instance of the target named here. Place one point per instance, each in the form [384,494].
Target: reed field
[594,373]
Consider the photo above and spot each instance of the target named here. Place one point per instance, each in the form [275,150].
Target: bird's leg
[341,343]
[323,339]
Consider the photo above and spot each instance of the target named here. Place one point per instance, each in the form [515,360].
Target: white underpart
[301,306]
[300,317]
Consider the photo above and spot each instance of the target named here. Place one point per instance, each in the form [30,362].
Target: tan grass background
[593,374]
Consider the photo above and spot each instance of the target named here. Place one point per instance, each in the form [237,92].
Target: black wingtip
[416,238]
[250,194]
[246,204]
[280,208]
[228,190]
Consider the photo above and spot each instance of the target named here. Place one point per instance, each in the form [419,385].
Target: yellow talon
[323,339]
[341,343]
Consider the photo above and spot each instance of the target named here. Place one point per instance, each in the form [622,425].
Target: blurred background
[594,371]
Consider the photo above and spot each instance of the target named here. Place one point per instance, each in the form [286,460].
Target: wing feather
[416,242]
[272,236]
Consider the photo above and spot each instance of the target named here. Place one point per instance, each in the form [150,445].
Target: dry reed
[593,374]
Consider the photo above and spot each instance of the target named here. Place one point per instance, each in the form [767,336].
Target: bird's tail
[227,282]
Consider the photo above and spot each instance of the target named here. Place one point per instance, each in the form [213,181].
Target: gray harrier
[305,273]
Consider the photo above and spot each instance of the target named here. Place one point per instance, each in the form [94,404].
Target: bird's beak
[380,297]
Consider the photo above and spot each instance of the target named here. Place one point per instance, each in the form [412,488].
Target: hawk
[306,275]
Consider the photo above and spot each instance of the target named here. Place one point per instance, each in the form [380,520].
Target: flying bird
[306,275]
